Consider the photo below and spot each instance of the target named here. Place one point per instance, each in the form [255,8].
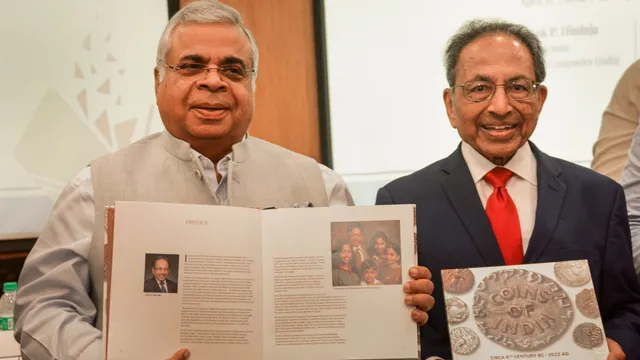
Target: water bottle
[7,302]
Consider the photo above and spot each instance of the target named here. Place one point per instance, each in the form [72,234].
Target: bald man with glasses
[207,64]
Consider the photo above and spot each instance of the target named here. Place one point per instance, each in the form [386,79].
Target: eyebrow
[482,78]
[227,60]
[488,78]
[232,60]
[194,58]
[518,77]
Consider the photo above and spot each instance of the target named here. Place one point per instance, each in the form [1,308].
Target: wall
[286,95]
[77,82]
[400,125]
[79,85]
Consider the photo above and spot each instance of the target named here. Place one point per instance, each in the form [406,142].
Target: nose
[500,104]
[212,81]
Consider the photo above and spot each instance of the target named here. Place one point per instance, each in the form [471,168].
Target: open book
[238,283]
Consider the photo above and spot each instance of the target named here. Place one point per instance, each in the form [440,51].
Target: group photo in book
[366,253]
[161,273]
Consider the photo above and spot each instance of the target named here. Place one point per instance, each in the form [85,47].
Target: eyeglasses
[232,72]
[479,90]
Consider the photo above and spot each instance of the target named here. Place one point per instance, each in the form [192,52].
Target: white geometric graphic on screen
[63,135]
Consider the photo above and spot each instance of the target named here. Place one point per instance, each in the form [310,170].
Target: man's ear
[447,96]
[542,97]
[156,77]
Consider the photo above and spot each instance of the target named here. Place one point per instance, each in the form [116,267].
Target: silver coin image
[587,303]
[521,309]
[457,281]
[464,341]
[572,273]
[457,310]
[588,336]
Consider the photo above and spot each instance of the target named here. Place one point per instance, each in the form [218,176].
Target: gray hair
[206,12]
[476,28]
[161,257]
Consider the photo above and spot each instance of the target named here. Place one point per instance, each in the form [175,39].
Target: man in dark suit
[159,282]
[358,249]
[500,200]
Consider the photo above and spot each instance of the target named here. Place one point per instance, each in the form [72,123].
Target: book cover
[542,311]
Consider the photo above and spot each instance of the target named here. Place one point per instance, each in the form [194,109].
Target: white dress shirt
[72,223]
[522,187]
[631,184]
[359,252]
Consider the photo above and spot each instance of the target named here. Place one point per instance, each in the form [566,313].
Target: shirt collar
[523,163]
[223,162]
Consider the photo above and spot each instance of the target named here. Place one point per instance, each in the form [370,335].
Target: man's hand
[615,351]
[182,354]
[418,293]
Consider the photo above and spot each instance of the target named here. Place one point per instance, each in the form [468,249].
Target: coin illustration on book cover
[457,310]
[457,281]
[521,309]
[572,273]
[464,341]
[587,303]
[588,335]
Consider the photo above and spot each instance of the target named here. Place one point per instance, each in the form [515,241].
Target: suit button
[198,174]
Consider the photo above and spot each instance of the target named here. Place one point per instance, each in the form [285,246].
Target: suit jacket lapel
[463,195]
[551,192]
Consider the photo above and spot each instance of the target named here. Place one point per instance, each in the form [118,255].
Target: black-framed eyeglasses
[232,72]
[482,90]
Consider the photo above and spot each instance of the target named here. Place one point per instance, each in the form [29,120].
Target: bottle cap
[10,286]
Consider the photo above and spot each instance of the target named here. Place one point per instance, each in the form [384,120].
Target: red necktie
[503,216]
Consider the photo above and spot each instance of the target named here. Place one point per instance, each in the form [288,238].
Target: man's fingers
[419,293]
[422,301]
[420,272]
[616,356]
[422,286]
[182,354]
[419,316]
[615,351]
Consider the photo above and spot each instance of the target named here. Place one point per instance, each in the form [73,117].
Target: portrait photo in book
[366,253]
[161,273]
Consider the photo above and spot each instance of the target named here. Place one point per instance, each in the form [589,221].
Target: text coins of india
[521,309]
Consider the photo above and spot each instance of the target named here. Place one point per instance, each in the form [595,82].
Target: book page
[185,276]
[332,284]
